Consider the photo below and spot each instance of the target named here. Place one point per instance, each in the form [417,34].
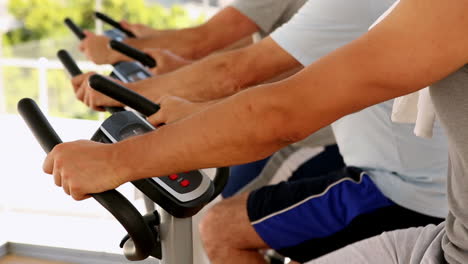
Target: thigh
[421,245]
[324,163]
[293,163]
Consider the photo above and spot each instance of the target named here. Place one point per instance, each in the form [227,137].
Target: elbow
[276,122]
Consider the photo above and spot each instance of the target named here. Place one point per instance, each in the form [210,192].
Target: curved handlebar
[74,28]
[220,180]
[113,23]
[133,53]
[123,95]
[112,200]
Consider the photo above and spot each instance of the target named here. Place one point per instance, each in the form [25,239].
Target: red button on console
[173,177]
[185,183]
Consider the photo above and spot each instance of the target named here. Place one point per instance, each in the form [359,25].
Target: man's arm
[418,44]
[222,30]
[421,42]
[214,77]
[221,75]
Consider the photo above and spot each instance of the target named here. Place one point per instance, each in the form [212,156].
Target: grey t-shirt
[268,14]
[450,97]
[431,244]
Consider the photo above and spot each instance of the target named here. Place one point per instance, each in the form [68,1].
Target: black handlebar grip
[38,124]
[133,53]
[74,28]
[69,63]
[113,23]
[112,200]
[113,109]
[123,95]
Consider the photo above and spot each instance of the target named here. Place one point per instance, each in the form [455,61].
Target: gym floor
[12,259]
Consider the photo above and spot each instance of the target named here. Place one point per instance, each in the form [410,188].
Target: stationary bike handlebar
[133,53]
[147,108]
[74,28]
[113,23]
[112,200]
[123,94]
[69,63]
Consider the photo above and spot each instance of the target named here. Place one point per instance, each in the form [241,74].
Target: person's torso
[322,26]
[409,170]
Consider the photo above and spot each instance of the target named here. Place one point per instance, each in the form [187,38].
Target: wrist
[126,166]
[116,157]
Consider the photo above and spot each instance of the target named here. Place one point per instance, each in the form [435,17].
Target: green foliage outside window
[42,33]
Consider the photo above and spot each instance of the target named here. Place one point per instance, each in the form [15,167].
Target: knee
[225,225]
[211,225]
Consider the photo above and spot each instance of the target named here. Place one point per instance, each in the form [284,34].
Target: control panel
[183,187]
[130,71]
[115,34]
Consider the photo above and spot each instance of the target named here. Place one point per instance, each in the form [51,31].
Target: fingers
[157,119]
[48,165]
[66,189]
[82,47]
[95,100]
[80,85]
[88,95]
[84,43]
[51,166]
[126,25]
[78,80]
[74,180]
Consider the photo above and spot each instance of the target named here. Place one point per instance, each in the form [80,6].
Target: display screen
[137,76]
[131,131]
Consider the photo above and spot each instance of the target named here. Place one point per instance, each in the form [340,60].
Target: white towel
[413,108]
[416,108]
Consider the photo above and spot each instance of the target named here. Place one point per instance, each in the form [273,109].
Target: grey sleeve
[268,14]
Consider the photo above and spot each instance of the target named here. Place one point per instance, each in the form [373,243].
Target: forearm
[221,75]
[222,30]
[252,124]
[176,148]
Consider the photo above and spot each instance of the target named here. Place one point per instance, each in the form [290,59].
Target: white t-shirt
[409,170]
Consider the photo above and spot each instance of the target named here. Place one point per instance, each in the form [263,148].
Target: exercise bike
[166,235]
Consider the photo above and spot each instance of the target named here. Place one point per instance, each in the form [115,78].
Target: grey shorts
[422,245]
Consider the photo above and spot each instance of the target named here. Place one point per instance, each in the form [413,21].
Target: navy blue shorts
[328,160]
[310,217]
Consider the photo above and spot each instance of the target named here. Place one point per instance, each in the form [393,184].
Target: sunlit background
[32,209]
